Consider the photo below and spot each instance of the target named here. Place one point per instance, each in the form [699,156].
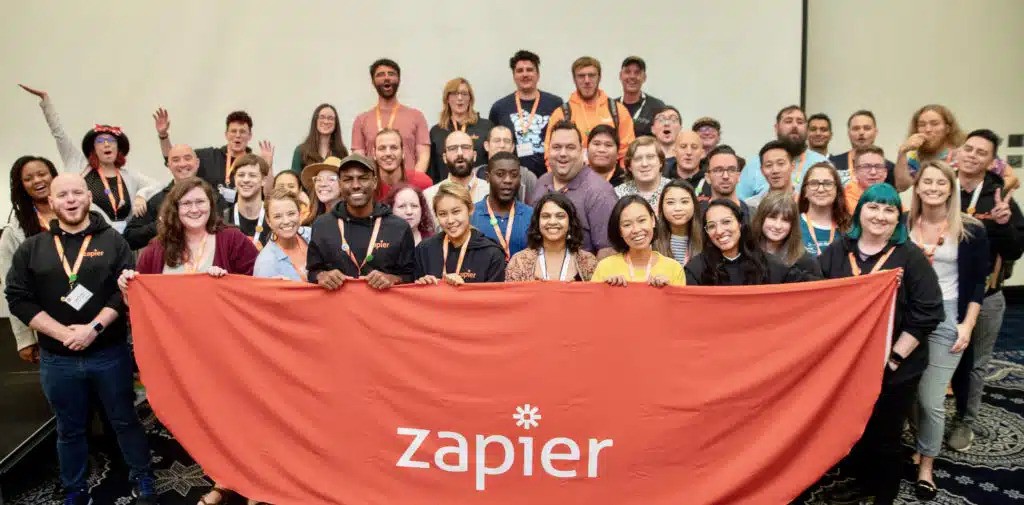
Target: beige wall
[893,56]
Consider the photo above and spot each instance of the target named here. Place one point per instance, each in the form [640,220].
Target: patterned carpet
[990,473]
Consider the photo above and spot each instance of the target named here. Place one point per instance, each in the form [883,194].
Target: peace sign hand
[1001,212]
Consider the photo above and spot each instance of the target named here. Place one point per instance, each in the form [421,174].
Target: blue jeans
[931,391]
[66,381]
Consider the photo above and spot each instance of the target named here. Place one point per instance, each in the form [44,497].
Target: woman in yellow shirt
[632,229]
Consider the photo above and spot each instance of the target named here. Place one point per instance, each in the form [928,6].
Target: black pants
[877,457]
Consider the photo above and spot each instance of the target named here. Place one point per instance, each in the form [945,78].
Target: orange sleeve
[626,134]
[556,116]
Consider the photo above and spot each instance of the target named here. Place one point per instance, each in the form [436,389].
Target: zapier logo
[455,454]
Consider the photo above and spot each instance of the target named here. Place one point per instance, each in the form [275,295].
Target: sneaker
[144,491]
[77,498]
[961,437]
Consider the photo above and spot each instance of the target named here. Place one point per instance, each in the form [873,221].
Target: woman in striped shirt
[679,220]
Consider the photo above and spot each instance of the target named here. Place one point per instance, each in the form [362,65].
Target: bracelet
[163,137]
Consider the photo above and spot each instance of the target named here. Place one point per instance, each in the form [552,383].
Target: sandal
[224,494]
[925,490]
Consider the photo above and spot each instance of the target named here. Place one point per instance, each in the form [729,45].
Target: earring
[568,236]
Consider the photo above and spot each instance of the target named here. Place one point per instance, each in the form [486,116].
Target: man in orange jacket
[590,106]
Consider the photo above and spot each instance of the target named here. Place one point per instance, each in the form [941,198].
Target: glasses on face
[711,226]
[324,117]
[327,179]
[194,204]
[722,171]
[706,130]
[502,141]
[667,120]
[867,167]
[459,94]
[456,148]
[105,140]
[823,184]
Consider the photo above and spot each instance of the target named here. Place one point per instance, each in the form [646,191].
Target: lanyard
[544,265]
[636,115]
[228,161]
[647,272]
[72,272]
[391,120]
[504,241]
[525,127]
[455,125]
[975,195]
[929,251]
[192,265]
[110,194]
[259,226]
[878,265]
[798,173]
[42,222]
[700,186]
[302,247]
[369,249]
[814,238]
[444,256]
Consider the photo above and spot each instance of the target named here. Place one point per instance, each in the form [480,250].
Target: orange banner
[513,393]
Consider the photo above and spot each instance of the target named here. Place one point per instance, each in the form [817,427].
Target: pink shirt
[409,122]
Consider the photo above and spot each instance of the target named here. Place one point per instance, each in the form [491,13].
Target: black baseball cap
[635,60]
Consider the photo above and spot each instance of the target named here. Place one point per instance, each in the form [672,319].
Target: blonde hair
[279,194]
[454,190]
[642,141]
[446,110]
[956,220]
[954,137]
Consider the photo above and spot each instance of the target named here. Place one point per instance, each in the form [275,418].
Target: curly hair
[24,207]
[573,240]
[170,231]
[426,226]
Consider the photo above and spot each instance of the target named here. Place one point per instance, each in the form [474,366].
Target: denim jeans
[969,380]
[931,391]
[66,381]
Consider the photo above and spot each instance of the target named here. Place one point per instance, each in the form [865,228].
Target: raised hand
[1001,212]
[162,122]
[267,151]
[37,92]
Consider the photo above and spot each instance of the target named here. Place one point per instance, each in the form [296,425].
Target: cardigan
[234,253]
[523,266]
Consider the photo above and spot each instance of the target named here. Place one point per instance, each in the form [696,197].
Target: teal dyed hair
[885,194]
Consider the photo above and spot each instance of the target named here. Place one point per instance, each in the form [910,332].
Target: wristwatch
[98,326]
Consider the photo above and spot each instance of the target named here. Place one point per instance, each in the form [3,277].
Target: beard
[387,94]
[794,146]
[461,167]
[72,218]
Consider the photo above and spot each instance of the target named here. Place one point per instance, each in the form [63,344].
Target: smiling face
[326,120]
[819,134]
[565,158]
[677,206]
[453,216]
[709,137]
[525,76]
[325,183]
[632,78]
[36,179]
[499,140]
[933,188]
[636,225]
[388,152]
[238,136]
[70,199]
[289,182]
[357,187]
[645,164]
[879,220]
[602,153]
[407,207]
[553,222]
[869,168]
[723,229]
[283,218]
[975,156]
[194,209]
[776,228]
[182,162]
[820,187]
[777,167]
[248,181]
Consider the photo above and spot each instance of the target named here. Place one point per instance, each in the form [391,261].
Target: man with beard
[459,156]
[724,168]
[388,113]
[388,155]
[500,216]
[526,112]
[791,128]
[215,162]
[819,133]
[500,140]
[362,238]
[247,213]
[643,108]
[862,131]
[589,192]
[777,168]
[183,163]
[63,285]
[689,162]
[665,129]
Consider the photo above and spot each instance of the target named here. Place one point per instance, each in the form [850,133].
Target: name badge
[77,297]
[523,150]
[227,193]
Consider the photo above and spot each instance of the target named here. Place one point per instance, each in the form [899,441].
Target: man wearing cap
[590,106]
[182,163]
[360,238]
[526,112]
[500,140]
[710,131]
[791,129]
[459,156]
[248,176]
[641,106]
[388,113]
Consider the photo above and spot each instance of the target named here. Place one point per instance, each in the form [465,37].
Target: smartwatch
[98,326]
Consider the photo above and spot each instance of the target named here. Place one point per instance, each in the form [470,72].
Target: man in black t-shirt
[248,175]
[862,132]
[527,111]
[640,105]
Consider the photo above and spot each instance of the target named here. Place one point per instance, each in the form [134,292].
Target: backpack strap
[566,111]
[613,109]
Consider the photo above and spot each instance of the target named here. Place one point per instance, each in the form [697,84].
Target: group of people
[592,189]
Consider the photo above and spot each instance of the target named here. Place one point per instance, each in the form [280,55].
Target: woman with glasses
[823,211]
[731,257]
[323,140]
[457,113]
[868,169]
[321,181]
[644,164]
[878,240]
[632,231]
[553,245]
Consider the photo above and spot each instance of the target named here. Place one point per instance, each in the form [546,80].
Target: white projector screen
[116,61]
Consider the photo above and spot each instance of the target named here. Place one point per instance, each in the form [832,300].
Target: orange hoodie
[589,115]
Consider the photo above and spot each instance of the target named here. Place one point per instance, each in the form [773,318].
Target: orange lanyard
[525,127]
[369,249]
[878,265]
[227,168]
[444,256]
[391,120]
[814,238]
[505,241]
[72,272]
[302,247]
[110,194]
[929,251]
[192,265]
[798,173]
[455,124]
[42,222]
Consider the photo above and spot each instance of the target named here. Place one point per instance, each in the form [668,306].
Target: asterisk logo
[527,416]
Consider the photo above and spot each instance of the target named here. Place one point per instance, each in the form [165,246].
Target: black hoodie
[1005,240]
[484,261]
[392,255]
[37,281]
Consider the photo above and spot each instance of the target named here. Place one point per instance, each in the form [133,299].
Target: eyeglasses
[704,130]
[105,140]
[880,167]
[826,184]
[711,226]
[326,178]
[454,149]
[501,141]
[460,94]
[324,117]
[667,120]
[194,204]
[723,171]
